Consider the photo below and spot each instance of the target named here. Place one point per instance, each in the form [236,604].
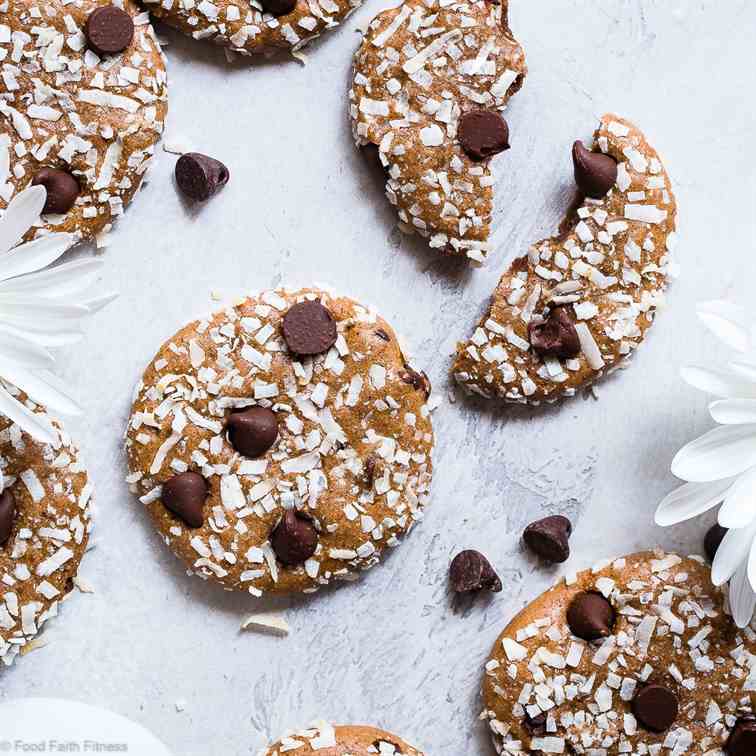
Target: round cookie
[429,82]
[44,528]
[83,124]
[579,303]
[340,740]
[248,28]
[667,672]
[312,465]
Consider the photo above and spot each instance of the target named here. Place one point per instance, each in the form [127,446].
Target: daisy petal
[717,382]
[43,387]
[20,215]
[34,255]
[742,597]
[15,349]
[720,453]
[96,304]
[690,500]
[731,553]
[62,280]
[35,425]
[743,369]
[62,337]
[733,411]
[727,322]
[738,510]
[47,315]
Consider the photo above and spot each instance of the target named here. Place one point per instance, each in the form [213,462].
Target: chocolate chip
[549,538]
[483,133]
[199,177]
[309,328]
[381,334]
[713,539]
[595,173]
[655,707]
[471,571]
[109,30]
[294,539]
[556,337]
[536,725]
[7,515]
[62,190]
[742,740]
[278,7]
[185,495]
[590,616]
[369,473]
[418,381]
[252,431]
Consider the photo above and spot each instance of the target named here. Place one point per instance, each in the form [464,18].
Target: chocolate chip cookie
[282,443]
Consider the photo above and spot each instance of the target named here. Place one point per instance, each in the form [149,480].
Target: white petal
[62,280]
[34,255]
[739,508]
[44,388]
[37,314]
[742,597]
[733,411]
[98,303]
[743,369]
[15,349]
[727,322]
[37,426]
[720,453]
[20,215]
[62,337]
[717,382]
[690,500]
[731,553]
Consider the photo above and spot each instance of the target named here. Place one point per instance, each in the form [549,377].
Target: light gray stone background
[301,207]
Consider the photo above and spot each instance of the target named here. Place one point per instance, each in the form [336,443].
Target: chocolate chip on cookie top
[83,104]
[580,303]
[667,672]
[430,81]
[307,450]
[44,529]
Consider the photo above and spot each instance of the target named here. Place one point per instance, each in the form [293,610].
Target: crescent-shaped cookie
[580,303]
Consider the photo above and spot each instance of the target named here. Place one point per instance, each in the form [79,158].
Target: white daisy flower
[40,307]
[720,466]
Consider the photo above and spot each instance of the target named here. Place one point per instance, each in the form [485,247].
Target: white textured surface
[301,207]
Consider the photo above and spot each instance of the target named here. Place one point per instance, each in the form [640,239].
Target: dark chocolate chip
[471,571]
[418,381]
[109,30]
[309,328]
[185,495]
[655,707]
[483,133]
[370,466]
[62,189]
[595,173]
[742,740]
[556,336]
[590,616]
[713,539]
[7,515]
[536,725]
[252,431]
[381,334]
[199,177]
[278,7]
[294,539]
[549,538]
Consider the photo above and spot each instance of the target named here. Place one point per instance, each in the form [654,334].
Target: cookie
[579,304]
[635,656]
[429,83]
[282,443]
[340,740]
[83,105]
[263,27]
[44,528]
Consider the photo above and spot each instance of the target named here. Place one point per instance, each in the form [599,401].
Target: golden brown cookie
[273,471]
[81,123]
[429,83]
[340,740]
[579,304]
[667,671]
[44,528]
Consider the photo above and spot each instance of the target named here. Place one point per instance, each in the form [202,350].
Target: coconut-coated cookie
[282,443]
[633,656]
[429,83]
[340,740]
[82,106]
[579,303]
[44,528]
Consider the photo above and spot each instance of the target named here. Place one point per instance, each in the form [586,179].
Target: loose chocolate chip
[109,30]
[595,173]
[536,725]
[471,571]
[279,7]
[309,328]
[590,616]
[7,515]
[294,539]
[62,189]
[556,337]
[199,177]
[655,707]
[549,538]
[713,539]
[185,495]
[483,133]
[418,381]
[252,431]
[742,740]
